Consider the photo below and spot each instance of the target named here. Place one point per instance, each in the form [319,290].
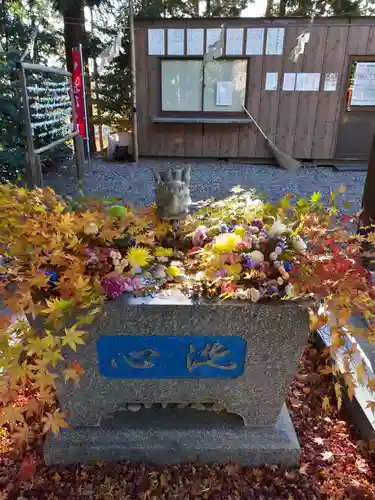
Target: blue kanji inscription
[153,357]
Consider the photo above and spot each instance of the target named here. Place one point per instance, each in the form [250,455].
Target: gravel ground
[135,184]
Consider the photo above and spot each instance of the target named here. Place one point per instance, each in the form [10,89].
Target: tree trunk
[282,8]
[269,8]
[73,30]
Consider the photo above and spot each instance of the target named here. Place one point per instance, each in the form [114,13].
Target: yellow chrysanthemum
[240,230]
[226,243]
[139,257]
[163,252]
[174,271]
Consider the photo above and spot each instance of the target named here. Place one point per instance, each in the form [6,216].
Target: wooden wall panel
[334,62]
[312,62]
[142,89]
[269,104]
[288,103]
[247,134]
[303,124]
[211,140]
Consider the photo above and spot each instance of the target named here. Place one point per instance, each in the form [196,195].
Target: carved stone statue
[172,193]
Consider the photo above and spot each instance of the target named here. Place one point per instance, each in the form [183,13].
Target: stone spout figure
[172,193]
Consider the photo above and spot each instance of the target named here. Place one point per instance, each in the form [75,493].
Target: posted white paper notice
[275,41]
[254,41]
[234,45]
[271,81]
[156,43]
[195,42]
[330,82]
[308,82]
[175,42]
[224,91]
[289,81]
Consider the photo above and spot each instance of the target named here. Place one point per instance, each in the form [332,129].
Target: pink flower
[114,286]
[199,236]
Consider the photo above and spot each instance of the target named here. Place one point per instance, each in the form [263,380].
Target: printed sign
[168,357]
[77,87]
[254,41]
[364,85]
[156,43]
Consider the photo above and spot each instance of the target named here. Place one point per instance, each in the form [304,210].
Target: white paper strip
[224,91]
[363,93]
[156,44]
[330,82]
[175,38]
[254,41]
[308,82]
[212,37]
[275,41]
[194,42]
[271,81]
[234,45]
[289,81]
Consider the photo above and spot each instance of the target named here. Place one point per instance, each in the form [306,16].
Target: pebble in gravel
[135,184]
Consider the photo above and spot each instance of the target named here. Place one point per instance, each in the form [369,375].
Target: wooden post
[38,171]
[80,156]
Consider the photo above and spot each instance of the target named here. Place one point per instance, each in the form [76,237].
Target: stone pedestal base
[170,436]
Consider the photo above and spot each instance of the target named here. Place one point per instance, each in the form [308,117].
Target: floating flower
[273,256]
[91,229]
[240,230]
[163,252]
[254,295]
[234,271]
[228,287]
[114,286]
[139,257]
[248,262]
[277,228]
[288,266]
[257,223]
[174,271]
[257,256]
[225,243]
[298,244]
[289,290]
[199,236]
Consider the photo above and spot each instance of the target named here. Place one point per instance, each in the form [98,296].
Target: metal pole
[134,83]
[85,106]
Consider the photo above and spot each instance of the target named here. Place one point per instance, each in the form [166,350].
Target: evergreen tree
[17,23]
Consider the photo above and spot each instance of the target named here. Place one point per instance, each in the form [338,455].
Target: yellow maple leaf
[52,357]
[55,422]
[326,404]
[337,388]
[65,224]
[11,415]
[73,337]
[56,308]
[361,373]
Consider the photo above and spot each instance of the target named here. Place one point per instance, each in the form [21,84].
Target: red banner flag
[77,83]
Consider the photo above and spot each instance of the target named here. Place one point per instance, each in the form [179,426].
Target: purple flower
[248,263]
[223,228]
[221,273]
[257,223]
